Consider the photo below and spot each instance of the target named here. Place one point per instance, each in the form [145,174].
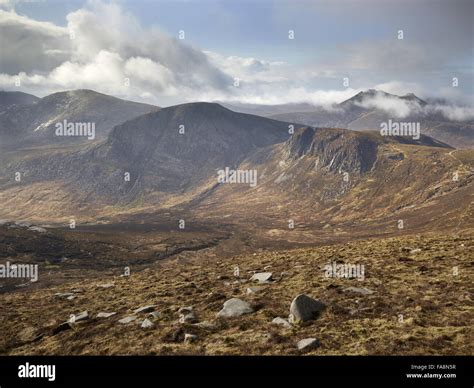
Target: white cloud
[250,70]
[400,88]
[30,46]
[111,46]
[391,104]
[108,46]
[453,112]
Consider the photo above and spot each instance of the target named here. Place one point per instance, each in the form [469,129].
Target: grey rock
[82,316]
[128,319]
[146,324]
[37,229]
[304,308]
[154,314]
[253,290]
[282,322]
[359,290]
[188,318]
[23,224]
[63,294]
[105,315]
[145,309]
[262,277]
[308,344]
[235,308]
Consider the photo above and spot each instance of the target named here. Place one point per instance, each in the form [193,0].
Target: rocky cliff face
[335,150]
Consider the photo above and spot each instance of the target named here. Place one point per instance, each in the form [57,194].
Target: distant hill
[8,99]
[34,124]
[367,110]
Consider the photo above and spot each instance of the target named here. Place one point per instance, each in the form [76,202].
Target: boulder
[308,344]
[282,322]
[304,308]
[262,277]
[235,308]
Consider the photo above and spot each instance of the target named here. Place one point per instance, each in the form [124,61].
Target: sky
[239,51]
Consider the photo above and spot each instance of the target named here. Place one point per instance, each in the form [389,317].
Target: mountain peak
[414,98]
[201,107]
[371,93]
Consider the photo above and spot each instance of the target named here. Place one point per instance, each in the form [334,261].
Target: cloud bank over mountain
[105,47]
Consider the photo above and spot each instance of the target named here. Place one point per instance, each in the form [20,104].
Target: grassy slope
[436,305]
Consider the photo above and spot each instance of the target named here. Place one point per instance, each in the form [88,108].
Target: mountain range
[367,110]
[324,179]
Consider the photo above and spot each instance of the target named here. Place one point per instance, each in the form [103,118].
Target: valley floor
[416,298]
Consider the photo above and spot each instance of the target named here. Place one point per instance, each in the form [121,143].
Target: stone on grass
[128,319]
[308,344]
[253,290]
[187,315]
[282,322]
[82,316]
[64,295]
[304,308]
[37,229]
[145,309]
[146,324]
[359,290]
[262,277]
[235,308]
[105,315]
